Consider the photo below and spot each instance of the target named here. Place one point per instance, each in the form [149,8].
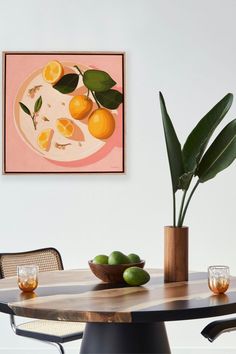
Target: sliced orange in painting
[52,72]
[45,138]
[65,127]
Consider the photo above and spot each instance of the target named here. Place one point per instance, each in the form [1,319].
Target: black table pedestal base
[122,338]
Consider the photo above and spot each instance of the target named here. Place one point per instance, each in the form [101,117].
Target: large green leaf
[110,99]
[220,154]
[97,80]
[185,180]
[198,139]
[173,147]
[67,83]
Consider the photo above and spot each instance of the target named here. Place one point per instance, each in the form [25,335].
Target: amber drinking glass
[27,277]
[218,279]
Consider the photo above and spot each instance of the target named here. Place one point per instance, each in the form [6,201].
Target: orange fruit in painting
[52,72]
[80,106]
[101,123]
[65,126]
[45,138]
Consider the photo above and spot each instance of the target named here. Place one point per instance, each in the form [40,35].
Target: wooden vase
[175,254]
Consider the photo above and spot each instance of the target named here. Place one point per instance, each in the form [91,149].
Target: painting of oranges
[70,112]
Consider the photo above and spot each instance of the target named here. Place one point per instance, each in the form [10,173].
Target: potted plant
[190,166]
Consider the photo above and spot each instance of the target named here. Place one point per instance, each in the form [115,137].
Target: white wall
[186,48]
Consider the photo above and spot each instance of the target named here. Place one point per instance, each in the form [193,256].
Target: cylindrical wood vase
[176,254]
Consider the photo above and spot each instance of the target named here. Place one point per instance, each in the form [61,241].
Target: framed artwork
[63,112]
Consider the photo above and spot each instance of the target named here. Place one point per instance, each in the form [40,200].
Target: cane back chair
[52,332]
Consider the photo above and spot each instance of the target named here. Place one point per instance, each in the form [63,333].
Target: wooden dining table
[119,318]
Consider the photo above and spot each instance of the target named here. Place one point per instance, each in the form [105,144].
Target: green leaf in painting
[67,83]
[97,80]
[24,108]
[38,104]
[173,147]
[220,154]
[198,139]
[110,99]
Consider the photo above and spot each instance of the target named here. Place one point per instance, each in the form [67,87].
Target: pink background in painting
[19,157]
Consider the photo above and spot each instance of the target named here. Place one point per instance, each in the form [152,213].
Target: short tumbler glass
[218,279]
[27,277]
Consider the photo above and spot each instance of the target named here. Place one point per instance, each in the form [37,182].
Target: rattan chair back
[47,259]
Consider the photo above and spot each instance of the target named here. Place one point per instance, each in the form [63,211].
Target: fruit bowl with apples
[119,268]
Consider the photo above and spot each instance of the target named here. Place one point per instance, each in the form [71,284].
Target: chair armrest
[216,328]
[13,323]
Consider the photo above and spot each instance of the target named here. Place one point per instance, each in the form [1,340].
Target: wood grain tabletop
[77,295]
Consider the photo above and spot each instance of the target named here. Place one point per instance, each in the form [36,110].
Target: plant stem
[95,99]
[188,201]
[181,208]
[34,123]
[174,209]
[90,91]
[79,70]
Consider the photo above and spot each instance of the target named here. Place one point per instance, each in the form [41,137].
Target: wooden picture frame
[63,112]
